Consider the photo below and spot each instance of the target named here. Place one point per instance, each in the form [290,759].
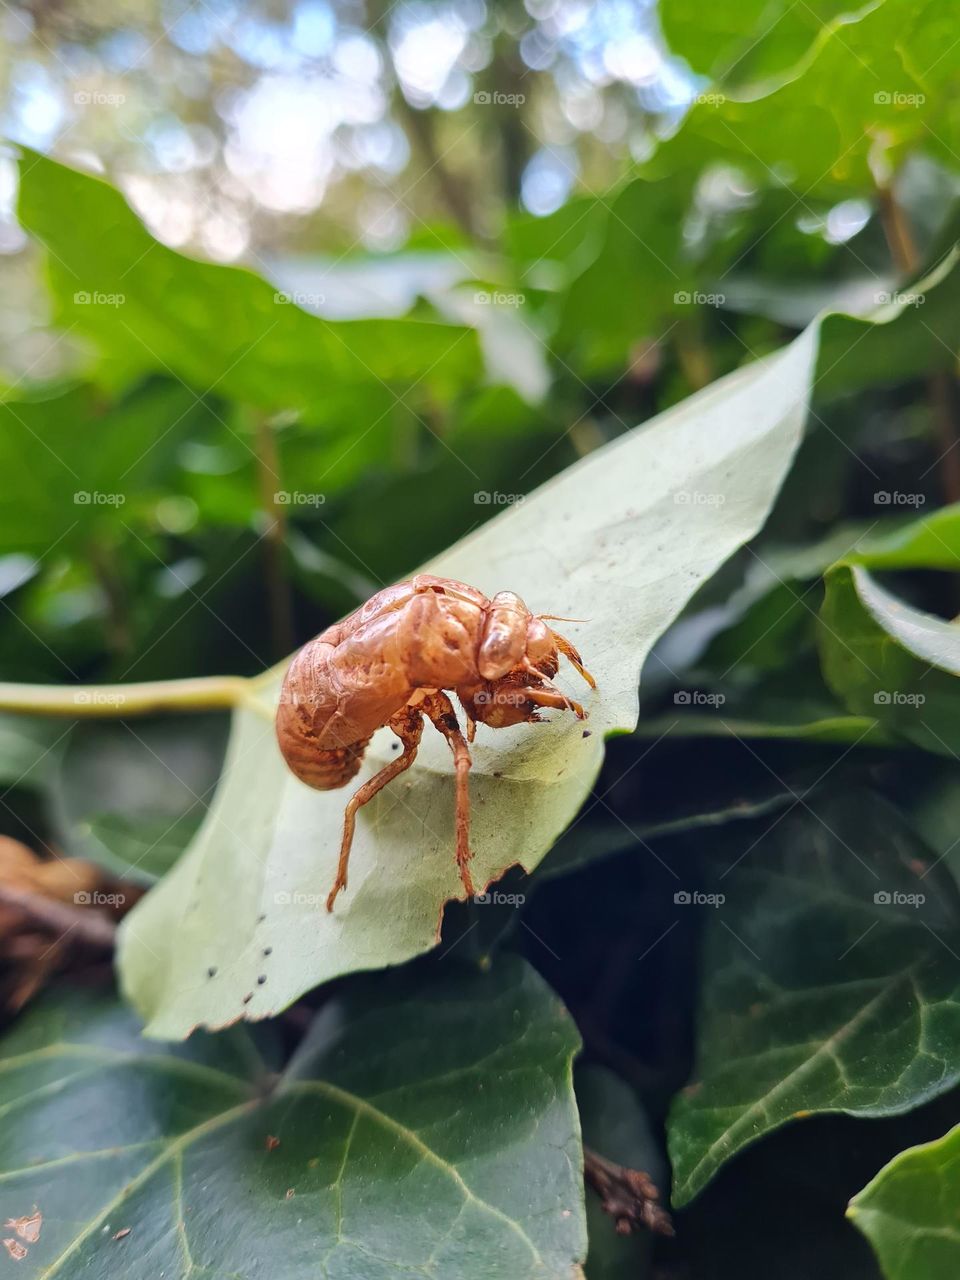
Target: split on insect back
[391,662]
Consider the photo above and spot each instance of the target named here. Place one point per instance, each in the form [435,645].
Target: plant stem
[278,587]
[453,188]
[104,562]
[941,384]
[89,927]
[627,1195]
[896,229]
[118,701]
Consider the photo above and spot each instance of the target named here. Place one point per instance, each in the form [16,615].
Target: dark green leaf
[423,1126]
[831,982]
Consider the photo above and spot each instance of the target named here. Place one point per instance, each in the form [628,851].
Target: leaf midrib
[361,1106]
[172,1149]
[757,1107]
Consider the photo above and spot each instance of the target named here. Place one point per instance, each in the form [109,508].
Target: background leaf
[215,327]
[832,937]
[882,656]
[908,1211]
[461,1143]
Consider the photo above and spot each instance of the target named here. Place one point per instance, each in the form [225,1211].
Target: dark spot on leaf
[261,980]
[587,733]
[212,971]
[267,951]
[248,997]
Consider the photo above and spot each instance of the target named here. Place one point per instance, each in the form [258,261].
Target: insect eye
[502,646]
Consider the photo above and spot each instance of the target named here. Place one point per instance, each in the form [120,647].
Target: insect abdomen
[323,770]
[334,697]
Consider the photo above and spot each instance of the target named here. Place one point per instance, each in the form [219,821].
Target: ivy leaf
[636,277]
[908,1212]
[30,750]
[872,77]
[623,540]
[212,326]
[882,656]
[828,944]
[460,1143]
[757,38]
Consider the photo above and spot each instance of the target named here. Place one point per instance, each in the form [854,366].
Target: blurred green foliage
[205,464]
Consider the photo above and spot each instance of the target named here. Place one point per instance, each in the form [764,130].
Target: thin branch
[89,927]
[275,539]
[941,385]
[943,394]
[896,229]
[629,1196]
[453,189]
[104,563]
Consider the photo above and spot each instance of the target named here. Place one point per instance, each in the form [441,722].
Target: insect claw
[547,696]
[573,657]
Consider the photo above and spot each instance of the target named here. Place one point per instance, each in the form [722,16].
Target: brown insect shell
[342,686]
[503,643]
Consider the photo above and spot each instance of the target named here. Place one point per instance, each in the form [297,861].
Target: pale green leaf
[623,540]
[909,1212]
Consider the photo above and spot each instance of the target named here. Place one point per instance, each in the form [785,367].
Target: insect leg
[408,726]
[545,695]
[442,715]
[567,649]
[471,725]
